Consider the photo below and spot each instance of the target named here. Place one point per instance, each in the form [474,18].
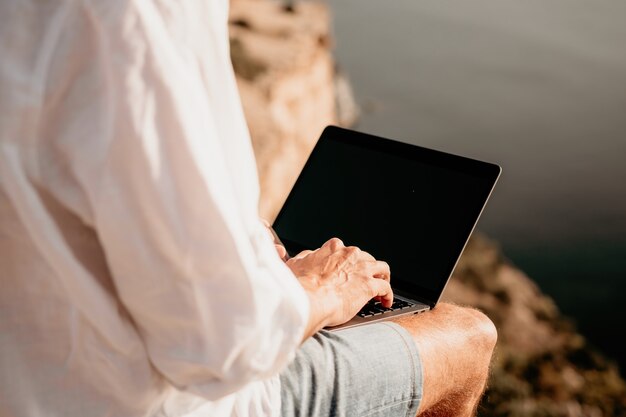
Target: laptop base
[415,308]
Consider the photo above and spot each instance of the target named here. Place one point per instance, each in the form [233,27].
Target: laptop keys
[375,308]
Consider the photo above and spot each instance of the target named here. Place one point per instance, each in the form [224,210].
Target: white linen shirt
[135,276]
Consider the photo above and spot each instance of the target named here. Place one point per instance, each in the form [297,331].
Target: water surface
[538,86]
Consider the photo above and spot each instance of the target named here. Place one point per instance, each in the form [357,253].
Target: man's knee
[477,332]
[486,329]
[465,334]
[455,346]
[480,330]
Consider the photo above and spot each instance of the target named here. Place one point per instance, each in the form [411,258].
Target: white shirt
[135,276]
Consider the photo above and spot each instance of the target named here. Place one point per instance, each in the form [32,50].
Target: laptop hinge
[428,303]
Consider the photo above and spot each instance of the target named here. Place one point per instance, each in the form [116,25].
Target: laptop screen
[412,207]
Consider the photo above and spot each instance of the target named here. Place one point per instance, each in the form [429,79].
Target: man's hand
[280,248]
[339,281]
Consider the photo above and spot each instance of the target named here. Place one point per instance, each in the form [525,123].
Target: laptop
[410,206]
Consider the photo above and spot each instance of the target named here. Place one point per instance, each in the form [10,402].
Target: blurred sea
[538,86]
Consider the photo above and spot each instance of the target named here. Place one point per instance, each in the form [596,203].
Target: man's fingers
[382,290]
[282,252]
[269,232]
[385,271]
[333,244]
[351,253]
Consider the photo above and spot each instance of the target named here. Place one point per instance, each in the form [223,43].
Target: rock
[286,78]
[542,366]
[347,109]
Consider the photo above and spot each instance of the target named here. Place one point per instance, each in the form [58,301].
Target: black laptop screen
[409,206]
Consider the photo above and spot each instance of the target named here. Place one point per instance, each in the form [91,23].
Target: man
[137,279]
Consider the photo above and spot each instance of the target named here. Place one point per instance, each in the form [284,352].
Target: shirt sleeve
[214,304]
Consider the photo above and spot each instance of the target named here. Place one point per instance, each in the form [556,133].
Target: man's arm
[192,265]
[215,306]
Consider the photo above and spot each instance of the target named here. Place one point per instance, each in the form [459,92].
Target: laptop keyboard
[375,308]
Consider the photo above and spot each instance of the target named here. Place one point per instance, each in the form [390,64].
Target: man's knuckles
[334,244]
[351,253]
[384,270]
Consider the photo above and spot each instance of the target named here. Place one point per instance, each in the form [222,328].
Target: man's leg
[437,360]
[455,345]
[366,371]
